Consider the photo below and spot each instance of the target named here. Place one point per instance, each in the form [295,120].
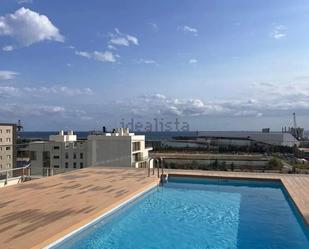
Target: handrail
[22,176]
[24,167]
[148,166]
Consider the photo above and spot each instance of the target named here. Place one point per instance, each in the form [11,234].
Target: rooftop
[304,149]
[36,213]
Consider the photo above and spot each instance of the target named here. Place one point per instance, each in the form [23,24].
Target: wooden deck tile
[38,212]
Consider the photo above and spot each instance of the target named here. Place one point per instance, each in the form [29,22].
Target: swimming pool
[200,213]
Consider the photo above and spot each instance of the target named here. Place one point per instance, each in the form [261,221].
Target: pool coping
[79,227]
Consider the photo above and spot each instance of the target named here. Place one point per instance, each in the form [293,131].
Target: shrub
[275,163]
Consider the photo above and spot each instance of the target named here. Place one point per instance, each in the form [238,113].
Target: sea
[44,135]
[166,135]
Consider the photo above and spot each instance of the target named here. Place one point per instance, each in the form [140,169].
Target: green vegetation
[275,163]
[300,165]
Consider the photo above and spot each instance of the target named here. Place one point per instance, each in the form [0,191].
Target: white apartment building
[120,148]
[7,146]
[63,153]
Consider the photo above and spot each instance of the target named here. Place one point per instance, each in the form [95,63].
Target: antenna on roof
[19,126]
[294,119]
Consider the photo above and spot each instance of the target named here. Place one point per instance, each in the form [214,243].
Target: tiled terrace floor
[35,213]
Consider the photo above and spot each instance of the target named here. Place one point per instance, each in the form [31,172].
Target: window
[8,131]
[66,165]
[56,147]
[81,155]
[81,165]
[56,166]
[0,157]
[136,146]
[8,139]
[7,148]
[0,131]
[74,155]
[74,165]
[0,139]
[135,157]
[8,157]
[32,155]
[66,155]
[56,156]
[8,165]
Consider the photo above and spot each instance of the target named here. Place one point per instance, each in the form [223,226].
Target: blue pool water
[201,213]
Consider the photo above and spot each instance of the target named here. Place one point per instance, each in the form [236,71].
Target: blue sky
[218,65]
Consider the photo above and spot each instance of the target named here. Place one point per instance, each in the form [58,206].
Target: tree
[275,163]
[232,166]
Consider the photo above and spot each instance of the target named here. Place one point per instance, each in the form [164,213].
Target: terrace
[36,213]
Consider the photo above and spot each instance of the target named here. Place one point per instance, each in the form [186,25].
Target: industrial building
[229,140]
[269,138]
[7,147]
[63,152]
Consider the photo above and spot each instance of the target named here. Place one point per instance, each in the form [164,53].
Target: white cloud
[106,56]
[121,39]
[249,113]
[266,99]
[30,110]
[146,61]
[8,48]
[48,110]
[7,75]
[132,39]
[159,104]
[63,90]
[111,47]
[187,29]
[83,54]
[154,26]
[279,32]
[10,91]
[192,61]
[27,27]
[25,1]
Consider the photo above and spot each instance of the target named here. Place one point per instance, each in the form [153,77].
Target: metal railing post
[162,166]
[158,168]
[23,175]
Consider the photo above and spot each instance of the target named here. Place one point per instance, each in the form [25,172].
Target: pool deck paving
[37,213]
